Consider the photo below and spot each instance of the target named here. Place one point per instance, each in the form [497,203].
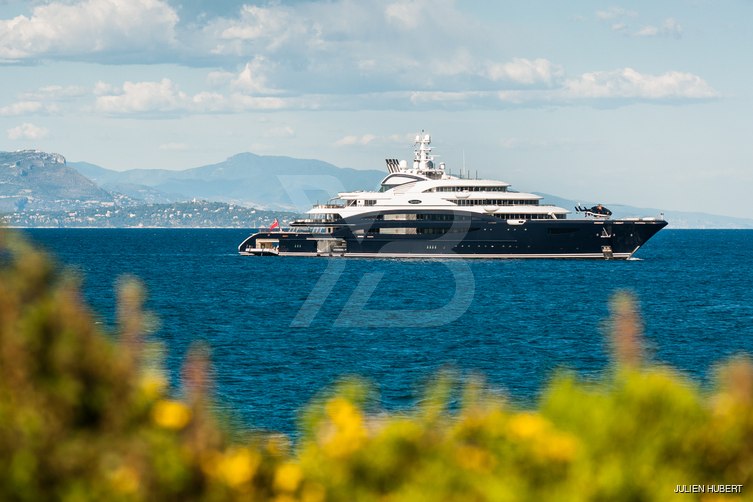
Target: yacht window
[468,189]
[496,202]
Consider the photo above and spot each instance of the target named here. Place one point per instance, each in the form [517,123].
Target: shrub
[87,416]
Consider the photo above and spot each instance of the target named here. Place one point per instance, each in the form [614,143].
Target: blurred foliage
[87,416]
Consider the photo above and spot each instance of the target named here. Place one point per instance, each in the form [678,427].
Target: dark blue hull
[467,235]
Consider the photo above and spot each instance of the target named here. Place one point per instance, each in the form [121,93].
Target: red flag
[275,224]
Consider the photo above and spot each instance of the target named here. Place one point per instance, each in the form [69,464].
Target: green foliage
[87,416]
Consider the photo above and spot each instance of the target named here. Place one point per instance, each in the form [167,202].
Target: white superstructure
[427,186]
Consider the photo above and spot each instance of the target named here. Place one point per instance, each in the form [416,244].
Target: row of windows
[496,202]
[415,231]
[442,217]
[520,216]
[418,216]
[460,217]
[468,189]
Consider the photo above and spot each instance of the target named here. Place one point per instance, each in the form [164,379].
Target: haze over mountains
[38,181]
[268,182]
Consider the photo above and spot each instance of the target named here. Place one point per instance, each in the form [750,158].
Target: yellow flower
[288,476]
[237,466]
[527,425]
[558,447]
[346,432]
[171,414]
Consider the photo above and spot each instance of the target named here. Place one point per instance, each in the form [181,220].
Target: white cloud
[27,131]
[56,93]
[374,139]
[424,97]
[405,15]
[103,88]
[88,27]
[261,29]
[144,97]
[257,23]
[628,83]
[670,28]
[647,31]
[618,16]
[615,13]
[20,108]
[351,140]
[165,97]
[252,79]
[525,71]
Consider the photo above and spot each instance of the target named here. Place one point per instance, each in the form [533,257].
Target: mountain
[108,180]
[270,182]
[30,179]
[34,182]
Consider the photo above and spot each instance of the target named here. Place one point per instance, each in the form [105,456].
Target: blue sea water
[283,329]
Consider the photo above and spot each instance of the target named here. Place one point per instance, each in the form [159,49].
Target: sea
[283,331]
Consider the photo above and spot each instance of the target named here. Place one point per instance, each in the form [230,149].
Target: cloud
[615,13]
[627,83]
[152,98]
[355,140]
[252,78]
[20,108]
[27,131]
[257,23]
[619,87]
[89,27]
[334,55]
[56,93]
[670,28]
[371,139]
[144,97]
[617,18]
[405,15]
[525,71]
[260,29]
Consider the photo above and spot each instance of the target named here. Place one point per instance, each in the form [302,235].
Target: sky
[643,103]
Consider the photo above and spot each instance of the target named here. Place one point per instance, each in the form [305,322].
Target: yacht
[423,211]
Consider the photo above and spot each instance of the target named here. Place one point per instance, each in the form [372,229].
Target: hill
[36,188]
[30,179]
[270,182]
